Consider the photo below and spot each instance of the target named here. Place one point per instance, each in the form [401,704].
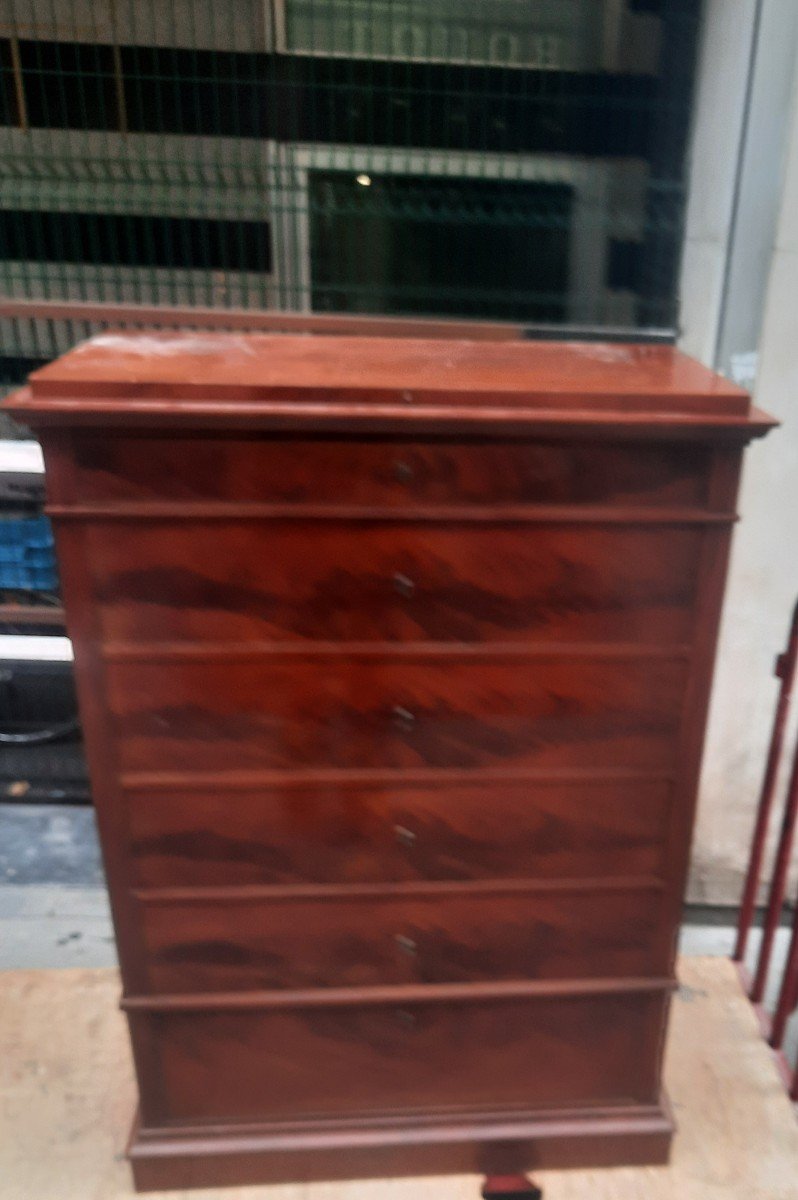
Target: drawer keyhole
[403,718]
[406,944]
[405,836]
[403,471]
[404,585]
[406,1018]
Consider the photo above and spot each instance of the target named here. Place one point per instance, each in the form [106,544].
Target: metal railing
[774,1020]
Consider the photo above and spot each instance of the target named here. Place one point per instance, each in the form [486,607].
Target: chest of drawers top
[376,384]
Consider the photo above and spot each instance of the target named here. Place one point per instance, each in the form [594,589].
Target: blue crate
[27,555]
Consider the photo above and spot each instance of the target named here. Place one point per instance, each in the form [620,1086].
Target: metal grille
[510,159]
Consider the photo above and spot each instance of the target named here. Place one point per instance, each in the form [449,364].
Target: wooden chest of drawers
[393,660]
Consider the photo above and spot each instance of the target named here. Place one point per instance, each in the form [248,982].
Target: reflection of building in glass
[526,157]
[564,35]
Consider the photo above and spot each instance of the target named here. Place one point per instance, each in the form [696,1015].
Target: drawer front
[241,944]
[373,1059]
[399,832]
[387,472]
[366,581]
[428,711]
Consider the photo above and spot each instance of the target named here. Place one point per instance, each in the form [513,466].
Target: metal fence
[508,159]
[769,970]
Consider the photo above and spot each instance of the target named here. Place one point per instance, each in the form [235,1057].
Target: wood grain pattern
[291,713]
[395,995]
[399,831]
[346,942]
[371,1060]
[363,582]
[397,472]
[531,516]
[480,1143]
[235,369]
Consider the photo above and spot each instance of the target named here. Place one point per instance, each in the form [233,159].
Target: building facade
[605,165]
[518,159]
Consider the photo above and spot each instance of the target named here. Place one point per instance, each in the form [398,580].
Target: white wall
[718,119]
[763,582]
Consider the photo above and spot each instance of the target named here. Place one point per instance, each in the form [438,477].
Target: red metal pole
[789,990]
[778,886]
[786,665]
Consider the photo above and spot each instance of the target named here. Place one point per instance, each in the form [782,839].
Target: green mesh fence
[510,159]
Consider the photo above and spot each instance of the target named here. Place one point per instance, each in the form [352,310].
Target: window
[452,246]
[525,158]
[561,35]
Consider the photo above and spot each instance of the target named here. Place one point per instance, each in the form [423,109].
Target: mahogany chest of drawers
[393,660]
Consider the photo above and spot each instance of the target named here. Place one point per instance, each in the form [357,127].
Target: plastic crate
[27,555]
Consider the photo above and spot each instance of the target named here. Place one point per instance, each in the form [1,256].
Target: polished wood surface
[394,662]
[435,1057]
[229,367]
[394,831]
[464,937]
[397,473]
[422,710]
[322,581]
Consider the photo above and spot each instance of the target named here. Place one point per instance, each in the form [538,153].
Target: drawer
[240,944]
[435,711]
[391,472]
[559,1052]
[373,581]
[399,831]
